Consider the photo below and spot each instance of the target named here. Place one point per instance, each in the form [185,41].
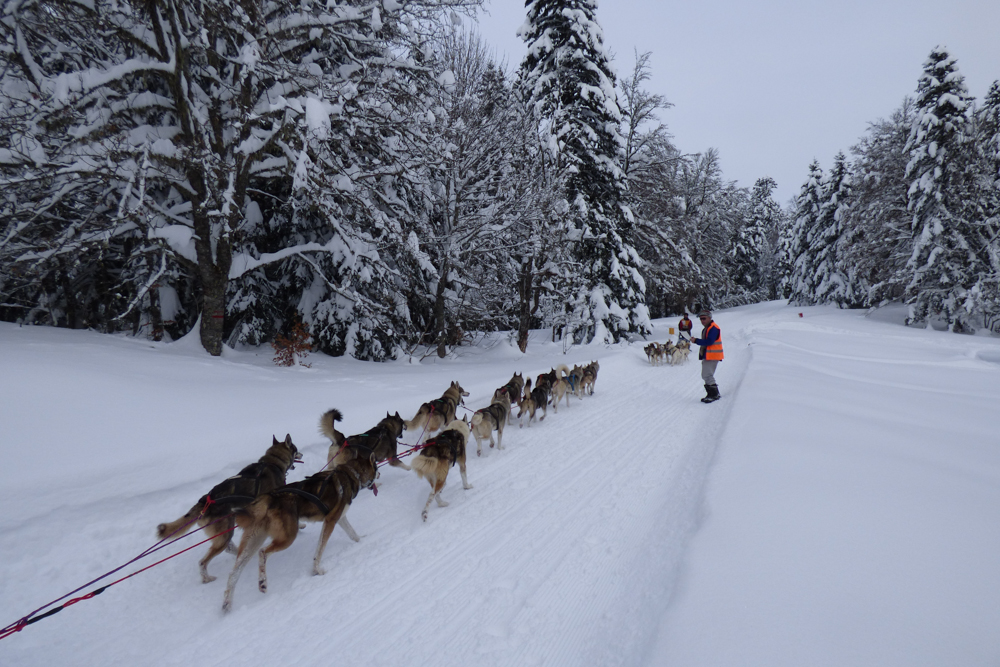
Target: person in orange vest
[710,354]
[684,327]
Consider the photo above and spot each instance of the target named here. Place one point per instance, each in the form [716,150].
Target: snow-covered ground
[839,506]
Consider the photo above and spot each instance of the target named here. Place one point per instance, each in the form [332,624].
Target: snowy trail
[572,532]
[852,464]
[859,525]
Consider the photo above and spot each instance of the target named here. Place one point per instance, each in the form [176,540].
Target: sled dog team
[258,500]
[668,353]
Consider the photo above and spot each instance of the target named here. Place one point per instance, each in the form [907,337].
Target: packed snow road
[567,550]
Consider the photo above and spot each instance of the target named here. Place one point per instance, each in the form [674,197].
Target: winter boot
[713,393]
[708,394]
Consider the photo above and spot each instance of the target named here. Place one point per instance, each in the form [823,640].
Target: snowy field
[839,506]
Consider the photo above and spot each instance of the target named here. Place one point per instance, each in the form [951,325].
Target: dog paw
[227,606]
[467,486]
[262,586]
[207,579]
[318,571]
[302,525]
[424,514]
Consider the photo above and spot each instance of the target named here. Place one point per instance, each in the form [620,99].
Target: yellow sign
[671,331]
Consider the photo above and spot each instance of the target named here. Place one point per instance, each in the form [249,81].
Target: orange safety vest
[714,351]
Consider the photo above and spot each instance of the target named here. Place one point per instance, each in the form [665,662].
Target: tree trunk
[440,321]
[213,309]
[524,285]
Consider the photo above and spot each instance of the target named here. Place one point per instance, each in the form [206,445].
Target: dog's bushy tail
[477,419]
[423,465]
[183,525]
[326,423]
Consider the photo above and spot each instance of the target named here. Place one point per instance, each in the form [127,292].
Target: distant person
[684,327]
[710,354]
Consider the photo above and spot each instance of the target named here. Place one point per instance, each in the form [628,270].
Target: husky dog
[433,415]
[546,380]
[380,440]
[590,377]
[216,506]
[575,379]
[534,400]
[324,497]
[680,351]
[560,387]
[513,387]
[438,455]
[651,350]
[492,418]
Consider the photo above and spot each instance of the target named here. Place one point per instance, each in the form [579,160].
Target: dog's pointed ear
[397,415]
[387,415]
[288,438]
[275,441]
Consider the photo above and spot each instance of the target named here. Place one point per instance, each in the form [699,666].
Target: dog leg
[465,480]
[479,444]
[251,542]
[221,535]
[324,536]
[499,436]
[348,528]
[429,498]
[437,494]
[283,533]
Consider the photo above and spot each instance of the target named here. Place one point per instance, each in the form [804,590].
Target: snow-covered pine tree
[881,243]
[832,273]
[944,263]
[984,296]
[570,83]
[751,250]
[801,288]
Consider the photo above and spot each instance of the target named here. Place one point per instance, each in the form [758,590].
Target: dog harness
[253,471]
[320,505]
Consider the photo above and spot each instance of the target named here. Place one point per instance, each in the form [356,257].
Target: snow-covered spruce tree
[945,261]
[984,296]
[571,86]
[801,287]
[783,263]
[881,243]
[179,116]
[831,278]
[751,249]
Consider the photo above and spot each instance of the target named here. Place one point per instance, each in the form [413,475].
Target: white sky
[775,84]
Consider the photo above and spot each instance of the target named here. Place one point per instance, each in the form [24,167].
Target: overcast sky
[774,84]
